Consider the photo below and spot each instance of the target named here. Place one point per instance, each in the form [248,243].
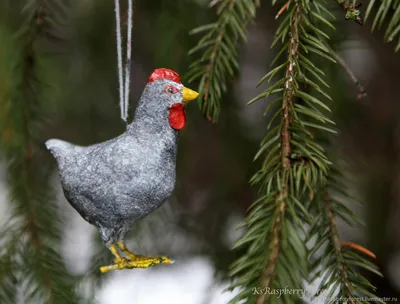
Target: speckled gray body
[117,182]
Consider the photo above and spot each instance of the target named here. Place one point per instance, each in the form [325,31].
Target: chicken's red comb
[163,73]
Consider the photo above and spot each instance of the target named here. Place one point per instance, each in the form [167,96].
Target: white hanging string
[128,59]
[124,87]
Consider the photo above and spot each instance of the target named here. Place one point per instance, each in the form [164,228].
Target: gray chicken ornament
[118,182]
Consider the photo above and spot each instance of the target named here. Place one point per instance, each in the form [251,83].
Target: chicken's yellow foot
[133,260]
[142,263]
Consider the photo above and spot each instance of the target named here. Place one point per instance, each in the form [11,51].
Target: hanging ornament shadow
[115,183]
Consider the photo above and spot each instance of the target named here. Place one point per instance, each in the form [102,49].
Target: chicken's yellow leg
[131,255]
[118,258]
[115,252]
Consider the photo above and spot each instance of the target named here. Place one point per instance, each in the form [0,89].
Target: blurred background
[60,81]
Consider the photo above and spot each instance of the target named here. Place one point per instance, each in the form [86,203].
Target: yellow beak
[188,95]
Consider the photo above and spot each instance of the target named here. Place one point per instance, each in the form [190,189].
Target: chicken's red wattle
[177,116]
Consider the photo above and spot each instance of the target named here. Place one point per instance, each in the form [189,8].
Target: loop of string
[124,85]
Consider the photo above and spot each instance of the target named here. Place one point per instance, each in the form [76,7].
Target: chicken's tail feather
[60,149]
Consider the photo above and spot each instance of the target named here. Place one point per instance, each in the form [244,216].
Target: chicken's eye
[171,90]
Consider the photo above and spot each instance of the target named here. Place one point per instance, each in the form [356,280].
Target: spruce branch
[288,102]
[344,276]
[386,9]
[8,278]
[36,265]
[219,63]
[274,248]
[295,164]
[332,263]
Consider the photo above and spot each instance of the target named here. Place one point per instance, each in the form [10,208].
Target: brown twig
[358,248]
[361,90]
[285,6]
